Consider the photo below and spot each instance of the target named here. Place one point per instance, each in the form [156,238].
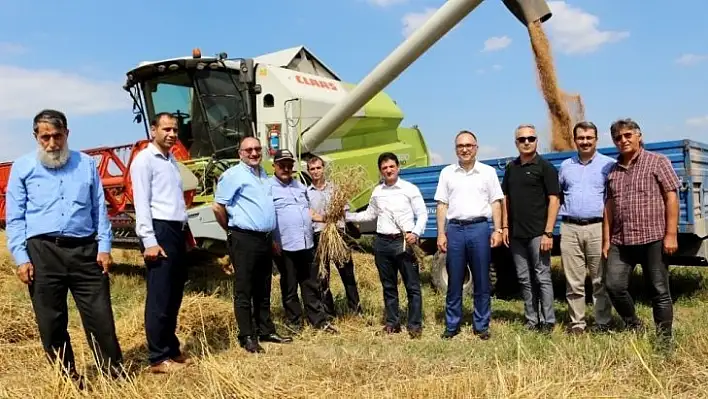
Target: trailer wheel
[439,276]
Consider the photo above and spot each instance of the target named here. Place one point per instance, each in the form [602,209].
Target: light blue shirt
[247,197]
[67,201]
[319,202]
[292,208]
[583,186]
[157,192]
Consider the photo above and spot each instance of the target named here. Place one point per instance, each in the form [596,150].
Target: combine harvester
[288,99]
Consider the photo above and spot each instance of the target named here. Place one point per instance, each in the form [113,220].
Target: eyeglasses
[524,139]
[252,149]
[627,135]
[466,146]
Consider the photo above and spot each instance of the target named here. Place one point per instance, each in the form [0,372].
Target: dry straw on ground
[347,181]
[561,123]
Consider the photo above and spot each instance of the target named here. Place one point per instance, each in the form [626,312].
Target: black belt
[260,234]
[580,221]
[389,236]
[64,241]
[470,221]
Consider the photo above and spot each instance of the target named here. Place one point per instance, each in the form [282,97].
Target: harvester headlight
[174,67]
[161,68]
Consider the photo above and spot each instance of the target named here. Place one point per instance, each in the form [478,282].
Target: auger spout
[444,19]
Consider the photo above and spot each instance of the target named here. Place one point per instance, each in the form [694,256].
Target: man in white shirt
[401,215]
[468,194]
[161,217]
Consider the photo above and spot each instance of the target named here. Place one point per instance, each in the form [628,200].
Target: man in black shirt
[530,208]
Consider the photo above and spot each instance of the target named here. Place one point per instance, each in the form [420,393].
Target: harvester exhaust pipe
[447,17]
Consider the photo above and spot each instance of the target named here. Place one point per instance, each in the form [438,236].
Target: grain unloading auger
[288,99]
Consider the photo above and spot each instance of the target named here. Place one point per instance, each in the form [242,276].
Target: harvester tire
[439,277]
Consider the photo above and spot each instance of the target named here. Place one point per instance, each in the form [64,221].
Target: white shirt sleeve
[494,187]
[419,210]
[441,192]
[367,215]
[141,177]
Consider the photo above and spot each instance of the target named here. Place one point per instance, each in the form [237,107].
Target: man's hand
[442,242]
[276,248]
[546,243]
[104,260]
[670,244]
[26,273]
[411,238]
[605,248]
[505,237]
[496,239]
[154,252]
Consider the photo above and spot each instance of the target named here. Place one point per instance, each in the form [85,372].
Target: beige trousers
[581,252]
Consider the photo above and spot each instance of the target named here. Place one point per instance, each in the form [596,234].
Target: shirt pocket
[81,193]
[41,193]
[614,187]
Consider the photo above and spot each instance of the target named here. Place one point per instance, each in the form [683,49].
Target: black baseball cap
[283,155]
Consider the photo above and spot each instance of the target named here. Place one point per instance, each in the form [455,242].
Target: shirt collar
[156,151]
[475,167]
[576,158]
[533,160]
[634,160]
[312,187]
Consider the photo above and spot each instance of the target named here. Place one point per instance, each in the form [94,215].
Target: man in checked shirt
[640,225]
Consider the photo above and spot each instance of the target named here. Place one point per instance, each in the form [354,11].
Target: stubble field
[359,363]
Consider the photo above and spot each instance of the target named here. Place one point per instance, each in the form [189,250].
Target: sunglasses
[618,137]
[530,139]
[252,149]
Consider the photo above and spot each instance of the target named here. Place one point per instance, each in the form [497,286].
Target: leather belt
[260,234]
[581,221]
[469,221]
[389,236]
[64,241]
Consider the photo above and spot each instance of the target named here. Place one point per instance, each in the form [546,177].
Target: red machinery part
[113,164]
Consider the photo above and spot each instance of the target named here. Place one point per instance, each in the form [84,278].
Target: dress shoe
[415,333]
[250,344]
[547,328]
[576,330]
[483,335]
[391,330]
[166,366]
[447,334]
[275,338]
[182,359]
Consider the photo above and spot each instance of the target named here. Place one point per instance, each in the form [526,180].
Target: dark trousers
[299,267]
[621,261]
[252,257]
[346,273]
[58,268]
[165,288]
[390,259]
[468,244]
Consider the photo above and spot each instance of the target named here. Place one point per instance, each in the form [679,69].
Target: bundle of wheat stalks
[347,181]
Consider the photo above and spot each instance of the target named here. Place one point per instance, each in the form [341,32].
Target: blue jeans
[468,244]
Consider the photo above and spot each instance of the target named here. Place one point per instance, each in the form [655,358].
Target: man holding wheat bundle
[468,193]
[401,216]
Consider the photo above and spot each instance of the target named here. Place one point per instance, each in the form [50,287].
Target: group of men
[614,214]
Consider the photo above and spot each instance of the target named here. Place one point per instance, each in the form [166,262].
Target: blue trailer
[689,159]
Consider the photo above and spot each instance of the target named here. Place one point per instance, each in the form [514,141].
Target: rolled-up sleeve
[16,205]
[141,175]
[419,210]
[99,212]
[227,187]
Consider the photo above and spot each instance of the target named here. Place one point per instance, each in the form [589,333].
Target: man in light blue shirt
[295,242]
[160,223]
[243,206]
[582,181]
[60,237]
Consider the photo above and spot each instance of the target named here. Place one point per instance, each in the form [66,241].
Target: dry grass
[347,181]
[561,123]
[359,363]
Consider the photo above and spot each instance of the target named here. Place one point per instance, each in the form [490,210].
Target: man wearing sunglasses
[640,226]
[243,206]
[531,203]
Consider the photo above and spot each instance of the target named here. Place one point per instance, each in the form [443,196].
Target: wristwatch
[548,234]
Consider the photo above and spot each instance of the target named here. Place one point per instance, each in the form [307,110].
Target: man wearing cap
[294,240]
[60,237]
[243,206]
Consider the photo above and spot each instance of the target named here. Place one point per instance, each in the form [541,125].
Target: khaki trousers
[581,252]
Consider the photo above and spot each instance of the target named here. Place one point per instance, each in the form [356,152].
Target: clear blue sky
[648,63]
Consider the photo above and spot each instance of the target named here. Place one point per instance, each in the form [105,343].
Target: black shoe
[576,330]
[275,338]
[531,327]
[391,330]
[294,328]
[547,328]
[250,344]
[415,332]
[483,335]
[447,334]
[636,326]
[600,328]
